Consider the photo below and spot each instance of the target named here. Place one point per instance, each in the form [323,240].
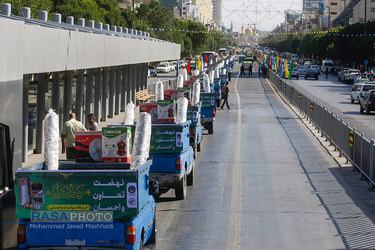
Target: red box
[188,84]
[170,94]
[151,108]
[88,146]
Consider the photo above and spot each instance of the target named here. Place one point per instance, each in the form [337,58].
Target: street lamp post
[329,16]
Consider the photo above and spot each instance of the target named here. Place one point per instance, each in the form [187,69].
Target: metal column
[145,76]
[134,83]
[118,90]
[79,95]
[98,94]
[123,88]
[128,80]
[105,95]
[89,96]
[25,127]
[40,110]
[67,94]
[112,86]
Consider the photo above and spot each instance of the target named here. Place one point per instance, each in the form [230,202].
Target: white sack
[180,81]
[142,138]
[51,143]
[206,83]
[159,91]
[129,114]
[196,93]
[182,105]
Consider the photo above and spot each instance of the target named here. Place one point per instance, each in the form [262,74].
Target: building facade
[217,6]
[332,8]
[205,10]
[310,5]
[364,10]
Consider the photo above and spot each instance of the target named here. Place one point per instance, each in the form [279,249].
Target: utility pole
[133,5]
[365,16]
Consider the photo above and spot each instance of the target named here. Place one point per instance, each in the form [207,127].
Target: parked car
[312,73]
[152,71]
[351,76]
[302,70]
[354,96]
[163,68]
[341,74]
[368,102]
[362,90]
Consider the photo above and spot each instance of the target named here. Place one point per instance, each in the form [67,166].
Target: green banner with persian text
[114,191]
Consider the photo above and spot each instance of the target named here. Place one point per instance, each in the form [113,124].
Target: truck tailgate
[75,234]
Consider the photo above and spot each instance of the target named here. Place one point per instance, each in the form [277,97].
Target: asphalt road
[263,181]
[336,96]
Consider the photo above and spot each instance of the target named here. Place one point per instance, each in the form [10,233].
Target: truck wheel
[180,190]
[199,147]
[152,240]
[141,244]
[351,99]
[195,152]
[210,128]
[190,177]
[218,102]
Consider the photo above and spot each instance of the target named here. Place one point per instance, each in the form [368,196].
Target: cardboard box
[184,92]
[116,144]
[166,111]
[170,94]
[88,146]
[151,108]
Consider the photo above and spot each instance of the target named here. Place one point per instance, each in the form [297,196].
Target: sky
[266,14]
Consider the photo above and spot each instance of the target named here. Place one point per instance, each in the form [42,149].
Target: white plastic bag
[51,143]
[182,105]
[180,81]
[206,83]
[184,73]
[129,114]
[212,76]
[142,138]
[159,91]
[196,93]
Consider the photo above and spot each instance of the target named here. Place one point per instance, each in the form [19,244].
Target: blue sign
[366,62]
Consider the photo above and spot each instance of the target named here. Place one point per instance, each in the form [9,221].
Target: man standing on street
[68,136]
[251,70]
[93,125]
[225,93]
[229,73]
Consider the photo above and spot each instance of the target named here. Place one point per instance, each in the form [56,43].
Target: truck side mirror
[154,187]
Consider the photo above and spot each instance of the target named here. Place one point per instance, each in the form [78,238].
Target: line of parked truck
[106,197]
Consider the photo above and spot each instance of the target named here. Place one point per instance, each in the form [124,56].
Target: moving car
[362,90]
[352,75]
[312,73]
[368,102]
[295,74]
[307,64]
[302,70]
[327,65]
[316,67]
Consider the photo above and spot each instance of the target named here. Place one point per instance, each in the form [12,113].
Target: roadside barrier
[349,142]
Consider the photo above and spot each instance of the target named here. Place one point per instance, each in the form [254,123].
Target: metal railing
[349,142]
[99,28]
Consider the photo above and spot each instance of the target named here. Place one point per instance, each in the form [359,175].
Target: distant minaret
[231,26]
[242,29]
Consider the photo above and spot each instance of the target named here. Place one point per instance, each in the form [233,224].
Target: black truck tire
[195,152]
[199,147]
[180,189]
[210,128]
[152,240]
[218,102]
[190,177]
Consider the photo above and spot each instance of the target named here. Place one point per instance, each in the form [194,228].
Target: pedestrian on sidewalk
[225,93]
[68,136]
[242,70]
[93,125]
[259,69]
[251,70]
[229,73]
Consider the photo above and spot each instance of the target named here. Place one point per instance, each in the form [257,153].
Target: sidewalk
[38,158]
